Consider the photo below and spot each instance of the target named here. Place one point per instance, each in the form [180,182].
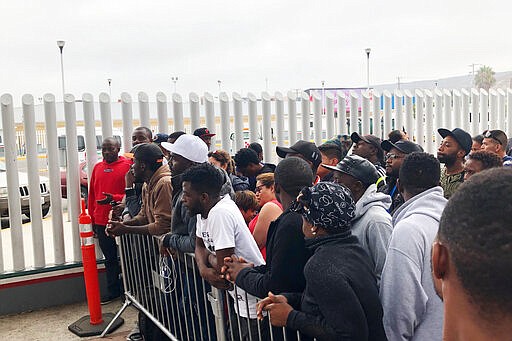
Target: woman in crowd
[270,209]
[247,204]
[222,159]
[341,300]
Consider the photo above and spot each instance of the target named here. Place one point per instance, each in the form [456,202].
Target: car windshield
[2,166]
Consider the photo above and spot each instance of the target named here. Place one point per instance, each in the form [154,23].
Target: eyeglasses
[258,188]
[392,156]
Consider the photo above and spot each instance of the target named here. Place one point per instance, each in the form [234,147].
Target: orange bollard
[95,323]
[92,286]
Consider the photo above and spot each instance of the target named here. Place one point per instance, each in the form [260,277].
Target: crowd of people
[355,239]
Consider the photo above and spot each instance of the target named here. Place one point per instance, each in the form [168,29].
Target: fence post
[305,112]
[456,116]
[163,116]
[438,102]
[225,125]
[106,115]
[292,117]
[144,109]
[209,107]
[419,118]
[194,111]
[429,123]
[239,124]
[177,111]
[501,111]
[365,113]
[342,114]
[493,110]
[474,113]
[329,114]
[447,106]
[90,133]
[484,110]
[73,179]
[465,116]
[509,111]
[376,117]
[12,184]
[54,176]
[354,111]
[126,108]
[317,117]
[409,114]
[267,135]
[399,111]
[279,118]
[388,114]
[29,122]
[254,130]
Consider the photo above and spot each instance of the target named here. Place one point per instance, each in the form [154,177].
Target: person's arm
[91,196]
[402,274]
[377,236]
[285,273]
[210,274]
[162,210]
[269,212]
[183,243]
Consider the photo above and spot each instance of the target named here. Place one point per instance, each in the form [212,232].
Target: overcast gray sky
[295,44]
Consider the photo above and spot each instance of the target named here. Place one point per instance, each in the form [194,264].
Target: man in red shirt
[107,184]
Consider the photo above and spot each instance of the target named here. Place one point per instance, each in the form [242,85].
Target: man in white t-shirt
[221,232]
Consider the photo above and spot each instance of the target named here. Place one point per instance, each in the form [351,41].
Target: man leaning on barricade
[186,152]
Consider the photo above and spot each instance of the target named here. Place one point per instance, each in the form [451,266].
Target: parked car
[83,181]
[24,194]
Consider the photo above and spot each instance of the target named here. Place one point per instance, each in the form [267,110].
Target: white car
[44,188]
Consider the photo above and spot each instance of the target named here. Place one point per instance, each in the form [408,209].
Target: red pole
[92,287]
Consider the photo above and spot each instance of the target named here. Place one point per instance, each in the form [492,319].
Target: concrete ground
[52,323]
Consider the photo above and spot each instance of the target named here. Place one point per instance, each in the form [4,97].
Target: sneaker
[109,298]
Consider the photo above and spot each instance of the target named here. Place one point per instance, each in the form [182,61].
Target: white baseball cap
[190,147]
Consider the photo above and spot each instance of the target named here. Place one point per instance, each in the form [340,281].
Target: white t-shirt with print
[225,228]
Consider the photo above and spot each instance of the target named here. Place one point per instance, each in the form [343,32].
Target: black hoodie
[341,299]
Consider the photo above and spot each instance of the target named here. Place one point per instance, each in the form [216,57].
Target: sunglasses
[391,156]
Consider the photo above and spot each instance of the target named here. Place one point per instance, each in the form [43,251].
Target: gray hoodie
[372,226]
[412,310]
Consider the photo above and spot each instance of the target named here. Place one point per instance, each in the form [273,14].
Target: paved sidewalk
[52,323]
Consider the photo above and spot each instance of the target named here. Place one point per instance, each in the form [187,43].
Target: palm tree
[484,78]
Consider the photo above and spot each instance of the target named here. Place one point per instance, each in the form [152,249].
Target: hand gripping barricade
[94,323]
[175,303]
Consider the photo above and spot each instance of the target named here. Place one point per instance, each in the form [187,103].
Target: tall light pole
[219,82]
[174,80]
[60,44]
[266,84]
[110,88]
[368,50]
[473,72]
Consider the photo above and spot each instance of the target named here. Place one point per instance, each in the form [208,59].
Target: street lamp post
[368,50]
[60,44]
[219,82]
[110,88]
[174,80]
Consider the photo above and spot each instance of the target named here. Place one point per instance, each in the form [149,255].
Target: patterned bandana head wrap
[327,205]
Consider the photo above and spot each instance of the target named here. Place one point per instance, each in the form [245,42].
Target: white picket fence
[279,119]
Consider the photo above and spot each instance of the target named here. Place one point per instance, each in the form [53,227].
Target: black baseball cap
[497,135]
[358,167]
[406,147]
[203,132]
[463,138]
[307,149]
[160,137]
[149,152]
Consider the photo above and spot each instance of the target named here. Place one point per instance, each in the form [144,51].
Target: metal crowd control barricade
[177,302]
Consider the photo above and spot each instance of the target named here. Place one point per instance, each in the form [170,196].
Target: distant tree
[484,78]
